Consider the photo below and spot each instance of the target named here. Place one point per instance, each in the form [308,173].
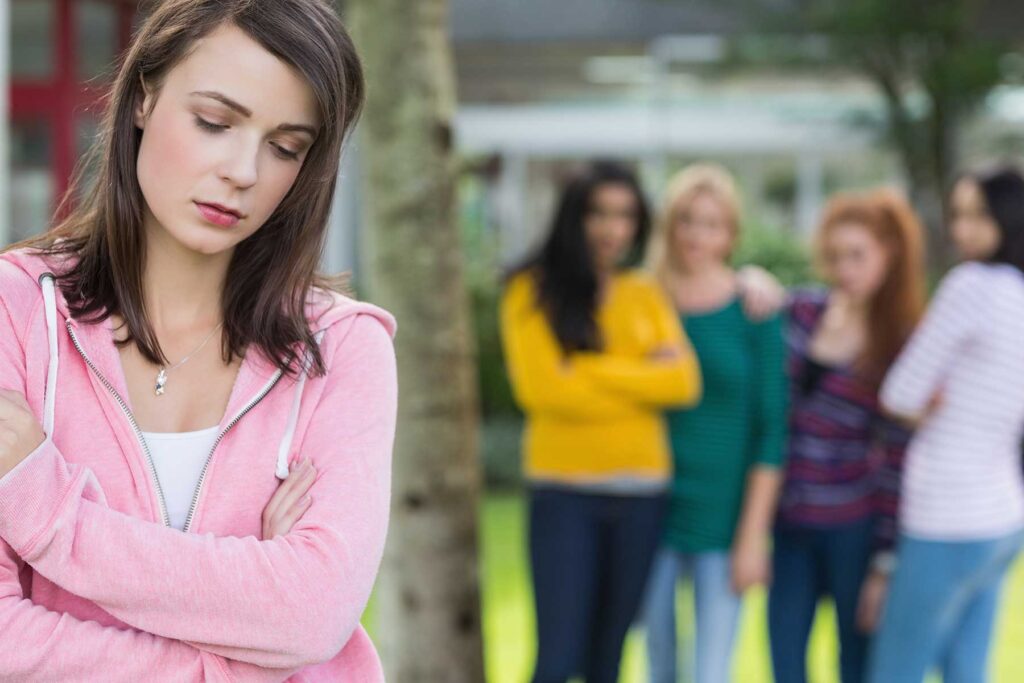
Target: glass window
[96,22]
[31,190]
[86,133]
[32,39]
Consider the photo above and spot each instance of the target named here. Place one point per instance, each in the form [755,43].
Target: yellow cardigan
[596,417]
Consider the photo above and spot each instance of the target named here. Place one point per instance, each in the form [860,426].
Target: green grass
[509,628]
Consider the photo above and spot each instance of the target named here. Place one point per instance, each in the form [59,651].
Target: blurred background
[797,99]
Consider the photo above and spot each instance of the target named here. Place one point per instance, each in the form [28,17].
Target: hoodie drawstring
[50,307]
[50,402]
[293,416]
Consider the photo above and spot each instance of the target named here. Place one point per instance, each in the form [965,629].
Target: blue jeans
[590,555]
[717,611]
[940,610]
[809,563]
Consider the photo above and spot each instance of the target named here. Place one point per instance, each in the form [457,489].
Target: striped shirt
[844,457]
[963,479]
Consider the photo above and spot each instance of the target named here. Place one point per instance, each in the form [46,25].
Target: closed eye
[286,153]
[208,126]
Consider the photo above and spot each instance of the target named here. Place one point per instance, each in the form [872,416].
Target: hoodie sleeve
[290,601]
[42,645]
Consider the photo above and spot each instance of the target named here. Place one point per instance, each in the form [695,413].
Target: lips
[218,214]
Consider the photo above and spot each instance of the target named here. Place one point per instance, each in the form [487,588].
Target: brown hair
[684,186]
[273,271]
[897,306]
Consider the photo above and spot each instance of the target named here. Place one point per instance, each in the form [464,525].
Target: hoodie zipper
[145,447]
[202,476]
[131,419]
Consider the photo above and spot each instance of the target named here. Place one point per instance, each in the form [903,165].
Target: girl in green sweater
[727,451]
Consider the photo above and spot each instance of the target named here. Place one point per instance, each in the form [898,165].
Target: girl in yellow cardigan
[595,353]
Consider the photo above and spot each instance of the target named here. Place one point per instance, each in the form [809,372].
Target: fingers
[297,478]
[292,515]
[12,403]
[297,484]
[304,479]
[867,611]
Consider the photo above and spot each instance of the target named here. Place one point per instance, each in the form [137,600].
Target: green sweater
[740,422]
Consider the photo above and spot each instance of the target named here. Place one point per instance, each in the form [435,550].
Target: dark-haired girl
[962,378]
[195,428]
[595,353]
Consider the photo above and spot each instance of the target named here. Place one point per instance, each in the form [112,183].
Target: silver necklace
[161,377]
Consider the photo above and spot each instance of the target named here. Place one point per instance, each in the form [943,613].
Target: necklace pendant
[161,382]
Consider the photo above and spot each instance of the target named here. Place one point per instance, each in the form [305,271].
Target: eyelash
[216,128]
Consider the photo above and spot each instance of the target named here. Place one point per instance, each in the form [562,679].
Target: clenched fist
[20,432]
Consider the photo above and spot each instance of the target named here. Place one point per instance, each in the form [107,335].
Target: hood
[324,308]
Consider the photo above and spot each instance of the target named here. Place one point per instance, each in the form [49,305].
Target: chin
[205,241]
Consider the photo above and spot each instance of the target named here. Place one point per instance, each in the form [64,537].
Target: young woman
[727,450]
[836,513]
[962,377]
[169,348]
[594,353]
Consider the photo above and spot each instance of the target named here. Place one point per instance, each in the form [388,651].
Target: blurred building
[55,56]
[541,85]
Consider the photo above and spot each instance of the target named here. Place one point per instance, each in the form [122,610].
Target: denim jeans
[807,564]
[590,555]
[941,608]
[717,607]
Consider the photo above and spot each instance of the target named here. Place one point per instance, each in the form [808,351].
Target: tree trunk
[428,601]
[925,165]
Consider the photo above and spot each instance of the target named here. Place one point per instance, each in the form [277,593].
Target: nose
[241,165]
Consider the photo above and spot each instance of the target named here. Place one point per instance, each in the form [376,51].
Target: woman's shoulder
[334,314]
[968,274]
[520,289]
[805,305]
[638,279]
[20,270]
[806,299]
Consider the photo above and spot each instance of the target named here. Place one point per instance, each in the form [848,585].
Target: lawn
[508,616]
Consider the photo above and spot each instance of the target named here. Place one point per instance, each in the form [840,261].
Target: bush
[781,253]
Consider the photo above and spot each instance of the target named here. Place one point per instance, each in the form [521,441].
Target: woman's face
[856,262]
[701,232]
[231,125]
[610,225]
[975,234]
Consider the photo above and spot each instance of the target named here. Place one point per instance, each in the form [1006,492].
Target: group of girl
[686,422]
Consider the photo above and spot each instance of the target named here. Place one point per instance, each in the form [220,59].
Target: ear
[142,106]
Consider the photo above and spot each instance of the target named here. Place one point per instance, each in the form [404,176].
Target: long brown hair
[274,270]
[897,306]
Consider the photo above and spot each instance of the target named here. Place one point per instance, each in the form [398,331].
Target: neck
[702,272]
[603,274]
[182,288]
[854,309]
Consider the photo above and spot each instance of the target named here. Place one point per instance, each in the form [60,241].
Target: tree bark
[427,600]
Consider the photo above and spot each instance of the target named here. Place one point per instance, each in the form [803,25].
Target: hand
[762,295]
[751,563]
[290,501]
[872,599]
[665,353]
[20,432]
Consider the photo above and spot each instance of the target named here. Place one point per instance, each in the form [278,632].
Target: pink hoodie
[96,586]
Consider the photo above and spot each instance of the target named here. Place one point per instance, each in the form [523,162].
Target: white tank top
[179,458]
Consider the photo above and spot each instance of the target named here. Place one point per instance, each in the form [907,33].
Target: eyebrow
[247,113]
